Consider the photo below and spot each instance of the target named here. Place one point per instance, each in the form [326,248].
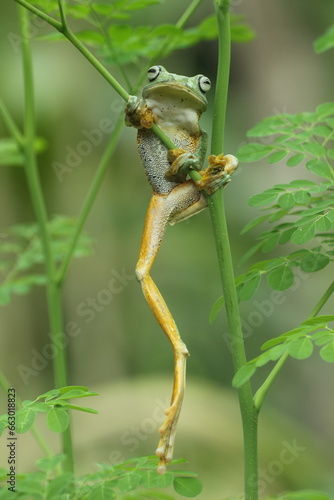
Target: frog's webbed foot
[137,113]
[182,161]
[217,173]
[168,429]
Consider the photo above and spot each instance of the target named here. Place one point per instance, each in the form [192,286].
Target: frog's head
[170,86]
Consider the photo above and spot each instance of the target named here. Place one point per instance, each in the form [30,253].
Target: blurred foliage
[325,41]
[134,479]
[22,252]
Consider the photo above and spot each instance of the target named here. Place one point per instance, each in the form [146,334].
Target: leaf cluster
[113,31]
[298,212]
[297,343]
[21,254]
[134,479]
[55,404]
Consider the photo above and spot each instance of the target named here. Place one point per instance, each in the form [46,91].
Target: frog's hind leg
[163,209]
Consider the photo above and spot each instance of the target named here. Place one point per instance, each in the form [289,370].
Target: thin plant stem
[264,388]
[322,301]
[91,196]
[10,124]
[35,189]
[249,413]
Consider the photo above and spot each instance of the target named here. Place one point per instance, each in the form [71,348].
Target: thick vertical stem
[36,194]
[248,411]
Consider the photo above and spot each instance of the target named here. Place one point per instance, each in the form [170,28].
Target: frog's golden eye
[153,73]
[204,83]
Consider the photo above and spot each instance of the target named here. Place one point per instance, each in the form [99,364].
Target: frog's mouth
[176,92]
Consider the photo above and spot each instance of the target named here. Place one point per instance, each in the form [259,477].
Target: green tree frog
[175,103]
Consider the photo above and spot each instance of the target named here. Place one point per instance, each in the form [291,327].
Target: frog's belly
[154,157]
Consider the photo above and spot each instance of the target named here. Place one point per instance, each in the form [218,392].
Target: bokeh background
[120,351]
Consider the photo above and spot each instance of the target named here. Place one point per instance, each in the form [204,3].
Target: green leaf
[217,306]
[59,485]
[49,463]
[250,252]
[120,32]
[305,495]
[295,160]
[323,224]
[249,288]
[319,320]
[327,108]
[325,41]
[129,482]
[57,419]
[241,33]
[286,201]
[89,37]
[327,352]
[276,157]
[82,408]
[271,242]
[322,130]
[281,278]
[24,420]
[141,4]
[243,375]
[301,197]
[265,198]
[187,486]
[151,479]
[300,348]
[315,149]
[320,168]
[253,223]
[304,234]
[314,262]
[253,152]
[103,491]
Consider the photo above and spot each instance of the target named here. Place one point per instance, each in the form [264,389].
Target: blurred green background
[120,350]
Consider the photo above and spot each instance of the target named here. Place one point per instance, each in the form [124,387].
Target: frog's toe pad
[182,161]
[217,173]
[138,114]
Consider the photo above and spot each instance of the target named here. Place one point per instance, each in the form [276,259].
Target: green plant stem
[188,13]
[249,413]
[91,196]
[322,301]
[5,385]
[10,124]
[264,388]
[35,189]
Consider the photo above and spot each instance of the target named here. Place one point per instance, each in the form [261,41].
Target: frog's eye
[153,73]
[204,83]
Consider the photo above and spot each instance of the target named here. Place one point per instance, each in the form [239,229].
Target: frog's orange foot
[217,173]
[168,431]
[182,161]
[138,114]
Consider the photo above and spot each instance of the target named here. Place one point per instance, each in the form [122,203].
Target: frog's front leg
[184,200]
[137,113]
[218,172]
